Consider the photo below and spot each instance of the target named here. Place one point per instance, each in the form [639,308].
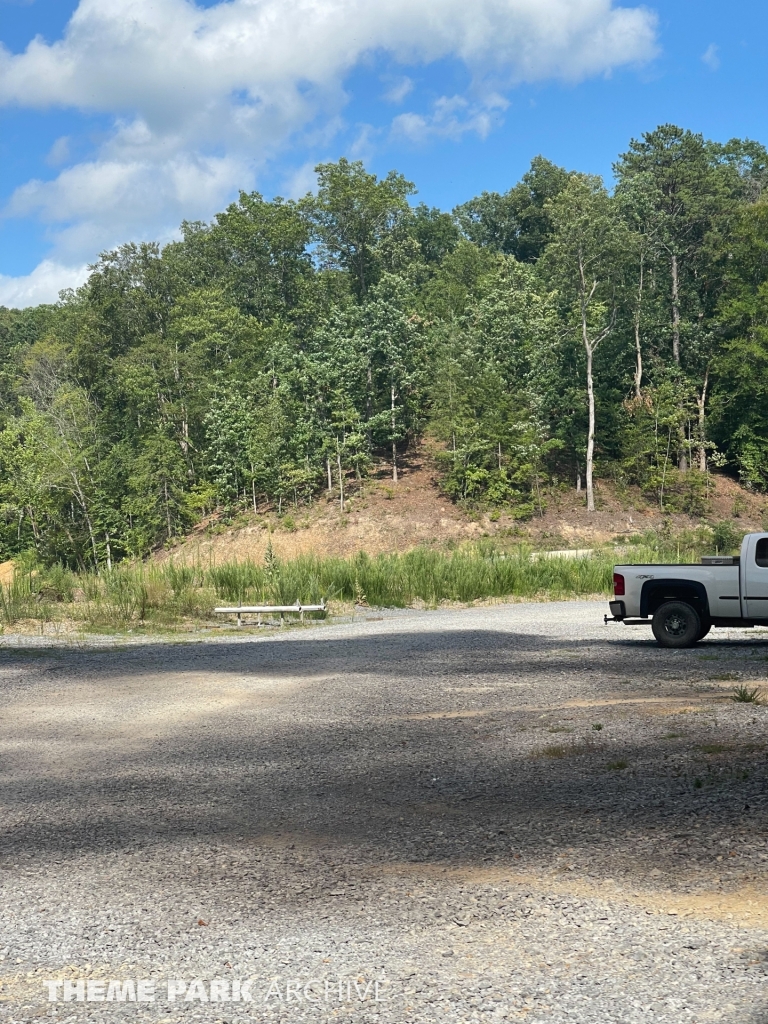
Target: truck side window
[761,553]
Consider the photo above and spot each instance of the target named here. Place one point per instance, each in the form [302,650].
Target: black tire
[705,628]
[676,624]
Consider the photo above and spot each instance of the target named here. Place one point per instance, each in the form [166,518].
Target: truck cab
[682,603]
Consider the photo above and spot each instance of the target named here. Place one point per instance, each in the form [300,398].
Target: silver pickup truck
[683,602]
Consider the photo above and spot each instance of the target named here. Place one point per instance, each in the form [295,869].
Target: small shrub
[739,505]
[743,695]
[727,539]
[597,726]
[617,766]
[58,584]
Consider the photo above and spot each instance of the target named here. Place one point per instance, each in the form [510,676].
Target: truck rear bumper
[618,610]
[619,614]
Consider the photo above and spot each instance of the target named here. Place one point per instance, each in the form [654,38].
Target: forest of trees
[542,336]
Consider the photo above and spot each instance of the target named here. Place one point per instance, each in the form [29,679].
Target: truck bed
[721,583]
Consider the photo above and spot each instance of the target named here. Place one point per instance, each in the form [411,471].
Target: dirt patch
[745,907]
[381,517]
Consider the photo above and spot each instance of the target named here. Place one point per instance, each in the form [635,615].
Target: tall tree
[581,262]
[516,222]
[353,211]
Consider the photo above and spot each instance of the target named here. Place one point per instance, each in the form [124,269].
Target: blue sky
[121,117]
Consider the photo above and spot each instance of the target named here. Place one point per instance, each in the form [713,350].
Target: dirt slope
[381,516]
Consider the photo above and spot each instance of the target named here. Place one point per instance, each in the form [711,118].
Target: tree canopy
[562,328]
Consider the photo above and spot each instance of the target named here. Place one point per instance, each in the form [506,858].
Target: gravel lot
[502,813]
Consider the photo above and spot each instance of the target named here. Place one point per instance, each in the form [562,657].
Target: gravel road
[503,813]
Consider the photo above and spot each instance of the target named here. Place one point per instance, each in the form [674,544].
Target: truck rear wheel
[676,624]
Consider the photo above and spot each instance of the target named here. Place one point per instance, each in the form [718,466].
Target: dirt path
[509,813]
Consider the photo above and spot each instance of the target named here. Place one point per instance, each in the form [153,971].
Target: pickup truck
[683,602]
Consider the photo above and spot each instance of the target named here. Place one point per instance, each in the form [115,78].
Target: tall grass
[169,594]
[15,599]
[396,581]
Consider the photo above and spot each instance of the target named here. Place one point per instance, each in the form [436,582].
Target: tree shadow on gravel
[431,746]
[400,752]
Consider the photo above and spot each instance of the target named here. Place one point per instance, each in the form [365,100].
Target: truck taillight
[618,584]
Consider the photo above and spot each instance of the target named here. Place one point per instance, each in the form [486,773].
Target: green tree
[580,262]
[353,211]
[518,222]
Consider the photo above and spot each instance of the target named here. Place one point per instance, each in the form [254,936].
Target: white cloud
[300,181]
[399,89]
[175,62]
[451,118]
[42,285]
[96,204]
[202,97]
[59,151]
[711,57]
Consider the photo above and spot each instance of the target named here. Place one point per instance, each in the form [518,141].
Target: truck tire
[705,628]
[676,624]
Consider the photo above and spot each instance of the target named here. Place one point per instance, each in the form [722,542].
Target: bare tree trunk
[330,478]
[84,507]
[341,480]
[394,441]
[31,514]
[638,347]
[682,460]
[675,313]
[167,507]
[591,436]
[109,552]
[368,406]
[701,401]
[589,348]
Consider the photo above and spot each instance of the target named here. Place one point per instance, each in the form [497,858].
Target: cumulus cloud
[175,62]
[451,118]
[102,201]
[202,97]
[42,285]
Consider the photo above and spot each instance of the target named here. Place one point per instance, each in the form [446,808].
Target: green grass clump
[15,599]
[743,695]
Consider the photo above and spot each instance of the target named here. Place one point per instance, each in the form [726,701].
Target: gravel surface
[503,813]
